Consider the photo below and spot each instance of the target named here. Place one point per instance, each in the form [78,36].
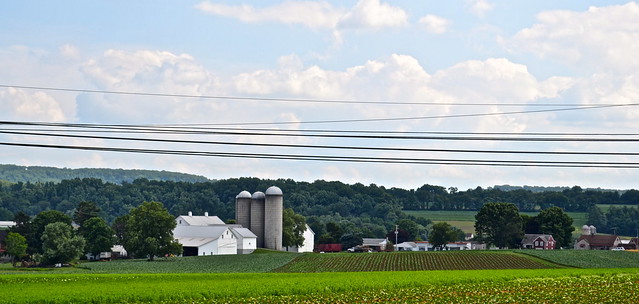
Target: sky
[392,82]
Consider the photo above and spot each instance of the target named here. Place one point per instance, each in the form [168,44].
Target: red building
[538,241]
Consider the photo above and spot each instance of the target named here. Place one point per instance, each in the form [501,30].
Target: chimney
[190,213]
[206,214]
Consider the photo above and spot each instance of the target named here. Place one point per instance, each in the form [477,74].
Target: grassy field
[465,220]
[471,286]
[587,258]
[168,281]
[604,208]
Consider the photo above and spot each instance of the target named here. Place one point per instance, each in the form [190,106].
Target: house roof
[243,232]
[201,220]
[7,224]
[530,238]
[194,242]
[407,245]
[599,239]
[373,242]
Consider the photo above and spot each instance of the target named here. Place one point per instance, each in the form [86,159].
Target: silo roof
[258,195]
[274,190]
[244,194]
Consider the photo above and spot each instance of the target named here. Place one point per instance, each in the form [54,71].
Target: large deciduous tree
[500,224]
[293,228]
[16,246]
[99,236]
[38,224]
[556,222]
[442,234]
[149,231]
[59,243]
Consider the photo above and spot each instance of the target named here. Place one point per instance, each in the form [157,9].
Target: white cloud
[601,38]
[435,24]
[21,105]
[479,7]
[373,14]
[313,14]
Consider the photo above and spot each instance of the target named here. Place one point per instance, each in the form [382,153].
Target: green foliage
[16,246]
[37,228]
[441,234]
[293,228]
[500,224]
[59,244]
[149,231]
[33,174]
[85,211]
[98,235]
[556,222]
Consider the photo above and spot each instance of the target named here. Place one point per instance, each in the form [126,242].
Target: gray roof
[243,233]
[372,242]
[274,190]
[201,220]
[199,231]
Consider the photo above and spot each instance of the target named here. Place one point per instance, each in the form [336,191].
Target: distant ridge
[35,174]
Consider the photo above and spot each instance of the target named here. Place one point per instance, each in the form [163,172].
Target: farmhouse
[538,241]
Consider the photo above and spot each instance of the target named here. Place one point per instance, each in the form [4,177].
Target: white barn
[209,235]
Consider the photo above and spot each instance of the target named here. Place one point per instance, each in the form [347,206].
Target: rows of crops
[408,261]
[587,258]
[526,285]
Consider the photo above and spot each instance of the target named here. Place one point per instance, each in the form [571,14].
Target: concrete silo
[273,219]
[243,209]
[257,217]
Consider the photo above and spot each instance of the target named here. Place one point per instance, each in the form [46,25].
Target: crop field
[588,258]
[408,261]
[604,208]
[463,286]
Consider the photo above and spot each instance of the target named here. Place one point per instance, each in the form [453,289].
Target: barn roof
[201,220]
[243,232]
[599,239]
[194,242]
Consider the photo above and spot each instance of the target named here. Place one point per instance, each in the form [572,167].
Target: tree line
[358,210]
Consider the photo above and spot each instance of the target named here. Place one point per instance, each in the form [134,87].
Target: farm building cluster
[259,220]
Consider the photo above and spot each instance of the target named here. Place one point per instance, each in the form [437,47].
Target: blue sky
[450,53]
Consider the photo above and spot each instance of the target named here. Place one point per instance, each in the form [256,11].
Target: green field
[604,208]
[465,220]
[552,285]
[338,278]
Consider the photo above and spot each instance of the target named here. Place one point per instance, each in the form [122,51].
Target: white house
[427,246]
[375,244]
[309,242]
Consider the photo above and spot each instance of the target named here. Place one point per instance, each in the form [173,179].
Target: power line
[447,138]
[281,99]
[460,162]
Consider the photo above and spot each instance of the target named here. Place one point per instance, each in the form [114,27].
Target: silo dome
[244,194]
[258,195]
[274,190]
